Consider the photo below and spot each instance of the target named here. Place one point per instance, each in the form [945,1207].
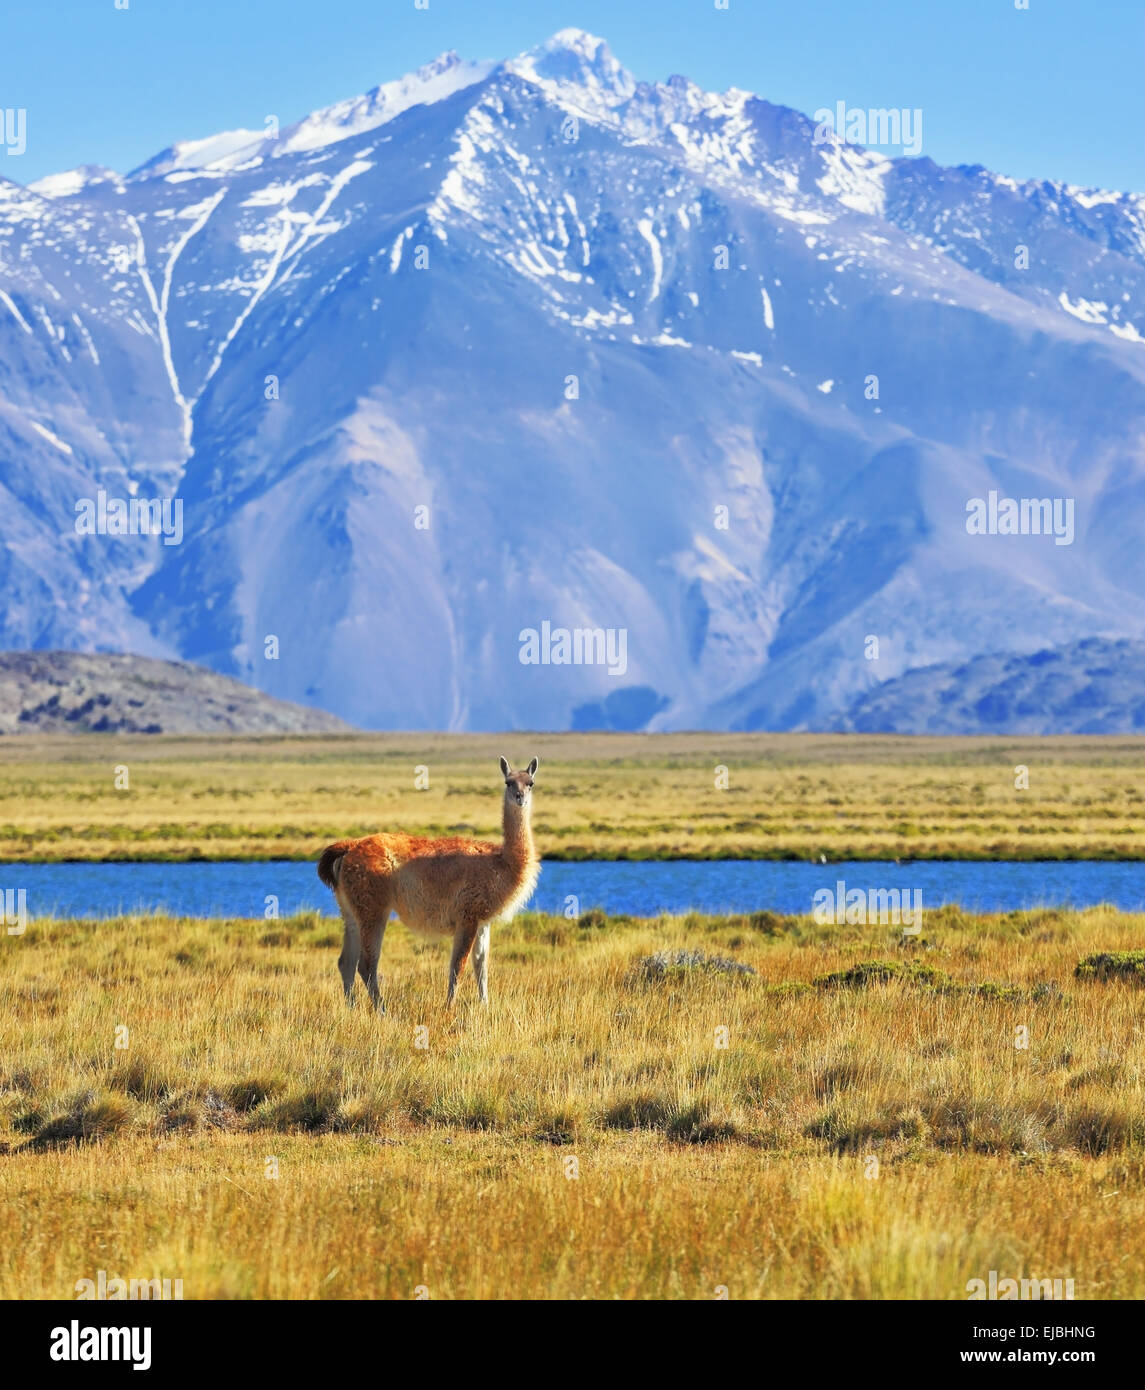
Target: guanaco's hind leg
[351,951]
[463,940]
[481,963]
[373,934]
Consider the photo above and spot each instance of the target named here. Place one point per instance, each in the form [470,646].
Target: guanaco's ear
[505,768]
[533,767]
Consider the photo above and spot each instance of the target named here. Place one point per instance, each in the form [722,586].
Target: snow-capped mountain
[500,352]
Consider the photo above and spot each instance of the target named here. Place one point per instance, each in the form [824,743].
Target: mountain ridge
[1093,686]
[102,692]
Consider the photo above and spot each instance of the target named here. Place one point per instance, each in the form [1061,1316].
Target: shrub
[1113,965]
[679,964]
[788,989]
[872,972]
[769,923]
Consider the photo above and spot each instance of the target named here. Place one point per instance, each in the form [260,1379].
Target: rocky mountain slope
[73,692]
[1087,687]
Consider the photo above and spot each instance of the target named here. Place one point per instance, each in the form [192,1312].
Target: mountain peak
[578,40]
[577,58]
[442,63]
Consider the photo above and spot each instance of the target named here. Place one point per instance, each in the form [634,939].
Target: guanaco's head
[518,785]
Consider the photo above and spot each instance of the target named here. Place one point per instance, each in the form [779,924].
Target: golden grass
[599,795]
[747,1167]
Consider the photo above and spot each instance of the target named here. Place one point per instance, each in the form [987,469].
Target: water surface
[639,889]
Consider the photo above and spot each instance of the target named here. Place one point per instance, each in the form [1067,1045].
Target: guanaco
[438,887]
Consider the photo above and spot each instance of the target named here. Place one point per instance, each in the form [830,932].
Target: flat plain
[862,1117]
[606,796]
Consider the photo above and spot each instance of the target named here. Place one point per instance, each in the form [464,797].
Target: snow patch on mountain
[75,181]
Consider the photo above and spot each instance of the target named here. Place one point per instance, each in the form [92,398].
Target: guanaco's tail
[331,862]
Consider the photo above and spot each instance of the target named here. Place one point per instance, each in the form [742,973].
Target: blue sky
[1050,92]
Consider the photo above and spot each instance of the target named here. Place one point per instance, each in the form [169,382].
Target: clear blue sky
[1052,92]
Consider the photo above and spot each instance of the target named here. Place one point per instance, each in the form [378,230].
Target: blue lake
[640,889]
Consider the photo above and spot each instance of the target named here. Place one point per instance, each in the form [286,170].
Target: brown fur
[329,858]
[452,886]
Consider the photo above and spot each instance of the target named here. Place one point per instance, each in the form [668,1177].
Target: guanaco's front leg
[463,940]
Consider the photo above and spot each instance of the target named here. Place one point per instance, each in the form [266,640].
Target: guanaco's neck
[516,835]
